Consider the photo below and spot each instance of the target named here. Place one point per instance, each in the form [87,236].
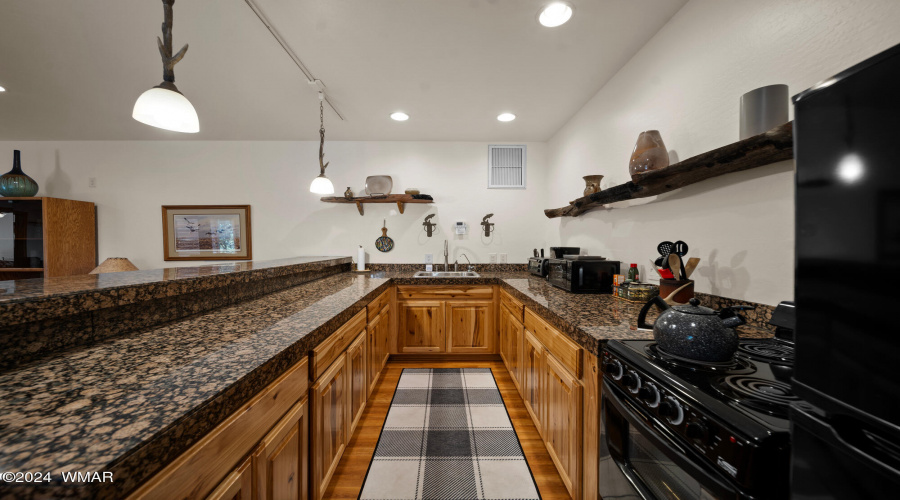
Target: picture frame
[206,232]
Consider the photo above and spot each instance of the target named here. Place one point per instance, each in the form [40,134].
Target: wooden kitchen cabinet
[533,370]
[421,326]
[236,486]
[378,348]
[282,459]
[562,400]
[357,377]
[331,423]
[470,326]
[512,334]
[207,469]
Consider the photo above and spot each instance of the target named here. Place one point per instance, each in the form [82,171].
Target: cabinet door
[238,485]
[282,459]
[562,426]
[384,338]
[511,338]
[470,326]
[331,415]
[359,387]
[421,326]
[377,348]
[532,367]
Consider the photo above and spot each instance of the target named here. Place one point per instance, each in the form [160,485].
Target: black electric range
[674,428]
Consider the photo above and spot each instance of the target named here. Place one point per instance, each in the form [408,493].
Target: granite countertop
[589,319]
[128,404]
[39,298]
[131,403]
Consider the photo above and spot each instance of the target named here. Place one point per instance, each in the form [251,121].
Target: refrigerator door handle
[852,438]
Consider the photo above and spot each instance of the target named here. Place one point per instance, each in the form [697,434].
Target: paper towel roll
[361,260]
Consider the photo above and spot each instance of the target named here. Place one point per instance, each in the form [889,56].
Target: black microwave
[583,276]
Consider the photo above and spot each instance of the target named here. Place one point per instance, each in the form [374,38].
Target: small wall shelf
[763,149]
[400,199]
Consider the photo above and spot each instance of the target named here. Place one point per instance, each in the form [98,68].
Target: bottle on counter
[633,274]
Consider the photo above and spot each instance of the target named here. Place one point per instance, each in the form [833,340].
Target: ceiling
[73,69]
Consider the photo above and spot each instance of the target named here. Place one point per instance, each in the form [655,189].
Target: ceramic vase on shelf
[348,194]
[15,183]
[649,153]
[592,184]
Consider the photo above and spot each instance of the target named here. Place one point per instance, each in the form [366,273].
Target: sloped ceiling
[73,69]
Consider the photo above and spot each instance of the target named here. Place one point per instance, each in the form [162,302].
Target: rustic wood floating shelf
[763,149]
[400,199]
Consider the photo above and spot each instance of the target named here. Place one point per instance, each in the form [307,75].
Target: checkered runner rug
[447,436]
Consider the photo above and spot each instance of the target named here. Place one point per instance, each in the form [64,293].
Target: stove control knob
[614,369]
[632,381]
[671,409]
[649,394]
[698,431]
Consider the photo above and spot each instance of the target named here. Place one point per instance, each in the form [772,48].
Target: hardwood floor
[351,471]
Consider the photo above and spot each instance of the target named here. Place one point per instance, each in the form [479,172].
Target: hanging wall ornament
[384,243]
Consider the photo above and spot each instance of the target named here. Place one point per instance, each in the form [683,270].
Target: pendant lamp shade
[166,109]
[321,185]
[164,106]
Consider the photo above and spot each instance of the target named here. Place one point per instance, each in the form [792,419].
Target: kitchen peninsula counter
[133,403]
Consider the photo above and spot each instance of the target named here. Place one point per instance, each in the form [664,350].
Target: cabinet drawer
[515,307]
[445,292]
[196,473]
[326,352]
[566,352]
[374,308]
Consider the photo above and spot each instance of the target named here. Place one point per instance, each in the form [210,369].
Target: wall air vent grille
[506,167]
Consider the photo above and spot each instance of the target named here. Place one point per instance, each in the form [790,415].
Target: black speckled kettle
[695,332]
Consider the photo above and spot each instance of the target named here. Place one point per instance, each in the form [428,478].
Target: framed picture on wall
[206,232]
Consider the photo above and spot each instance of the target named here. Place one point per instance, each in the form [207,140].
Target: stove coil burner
[734,364]
[769,396]
[767,350]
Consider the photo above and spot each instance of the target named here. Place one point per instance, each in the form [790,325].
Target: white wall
[134,178]
[686,82]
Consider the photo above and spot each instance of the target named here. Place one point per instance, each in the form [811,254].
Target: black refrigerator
[846,429]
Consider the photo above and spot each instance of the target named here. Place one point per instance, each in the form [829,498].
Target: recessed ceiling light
[2,89]
[555,14]
[399,116]
[506,117]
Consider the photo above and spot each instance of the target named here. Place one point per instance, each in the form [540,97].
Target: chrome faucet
[456,263]
[446,256]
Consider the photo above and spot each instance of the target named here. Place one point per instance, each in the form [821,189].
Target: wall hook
[429,226]
[488,226]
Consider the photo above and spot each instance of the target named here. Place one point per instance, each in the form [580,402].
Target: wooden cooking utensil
[670,299]
[690,266]
[674,265]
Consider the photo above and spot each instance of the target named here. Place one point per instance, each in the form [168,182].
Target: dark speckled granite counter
[133,403]
[39,317]
[41,298]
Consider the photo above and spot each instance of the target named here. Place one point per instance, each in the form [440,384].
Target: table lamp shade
[114,265]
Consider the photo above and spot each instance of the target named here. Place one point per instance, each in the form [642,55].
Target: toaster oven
[583,276]
[538,266]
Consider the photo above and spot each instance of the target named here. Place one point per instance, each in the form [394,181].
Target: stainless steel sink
[446,274]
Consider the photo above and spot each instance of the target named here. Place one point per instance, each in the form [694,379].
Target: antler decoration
[488,226]
[165,48]
[322,162]
[429,226]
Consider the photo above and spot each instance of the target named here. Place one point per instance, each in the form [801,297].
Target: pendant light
[321,184]
[164,106]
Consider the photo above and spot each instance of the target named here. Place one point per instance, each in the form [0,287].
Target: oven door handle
[680,455]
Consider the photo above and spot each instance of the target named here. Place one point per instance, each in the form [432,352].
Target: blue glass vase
[15,183]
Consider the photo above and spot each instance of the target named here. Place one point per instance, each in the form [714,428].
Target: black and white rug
[448,436]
